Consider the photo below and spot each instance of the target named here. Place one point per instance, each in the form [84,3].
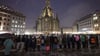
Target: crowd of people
[53,42]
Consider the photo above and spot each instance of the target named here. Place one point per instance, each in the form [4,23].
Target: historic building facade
[90,22]
[11,20]
[48,21]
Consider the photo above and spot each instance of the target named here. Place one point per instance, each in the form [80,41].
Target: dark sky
[68,10]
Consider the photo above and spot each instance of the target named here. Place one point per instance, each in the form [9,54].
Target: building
[48,21]
[67,30]
[11,20]
[30,31]
[75,27]
[89,22]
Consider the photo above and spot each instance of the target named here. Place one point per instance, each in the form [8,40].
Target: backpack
[93,40]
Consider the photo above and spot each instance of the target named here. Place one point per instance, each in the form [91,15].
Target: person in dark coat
[26,43]
[68,41]
[55,42]
[34,43]
[64,41]
[51,42]
[30,43]
[72,41]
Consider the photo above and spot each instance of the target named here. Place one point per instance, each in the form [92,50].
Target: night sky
[68,10]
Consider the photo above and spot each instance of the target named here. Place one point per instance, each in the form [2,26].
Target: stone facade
[48,20]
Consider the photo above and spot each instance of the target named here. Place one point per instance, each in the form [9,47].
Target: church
[48,21]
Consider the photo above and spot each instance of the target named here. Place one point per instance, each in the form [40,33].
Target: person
[77,40]
[55,42]
[33,43]
[68,41]
[30,43]
[18,40]
[43,42]
[26,43]
[60,41]
[8,44]
[72,39]
[64,41]
[83,41]
[51,42]
[38,43]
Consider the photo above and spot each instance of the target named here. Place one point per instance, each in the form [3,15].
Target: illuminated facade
[90,22]
[11,20]
[47,21]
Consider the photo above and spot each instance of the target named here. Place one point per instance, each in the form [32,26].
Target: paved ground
[95,52]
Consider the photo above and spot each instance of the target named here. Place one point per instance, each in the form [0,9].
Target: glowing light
[2,32]
[94,14]
[15,25]
[13,21]
[96,25]
[95,18]
[1,28]
[84,29]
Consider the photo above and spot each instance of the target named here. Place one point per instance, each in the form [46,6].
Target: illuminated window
[16,22]
[84,29]
[23,22]
[94,14]
[15,25]
[95,18]
[13,21]
[96,25]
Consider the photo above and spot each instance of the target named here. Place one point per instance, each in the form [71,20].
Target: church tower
[47,21]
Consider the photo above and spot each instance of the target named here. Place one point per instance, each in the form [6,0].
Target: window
[94,14]
[0,18]
[8,15]
[23,22]
[4,18]
[16,21]
[96,25]
[15,25]
[13,17]
[7,28]
[4,23]
[13,21]
[8,19]
[3,27]
[12,25]
[8,24]
[96,29]
[95,18]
